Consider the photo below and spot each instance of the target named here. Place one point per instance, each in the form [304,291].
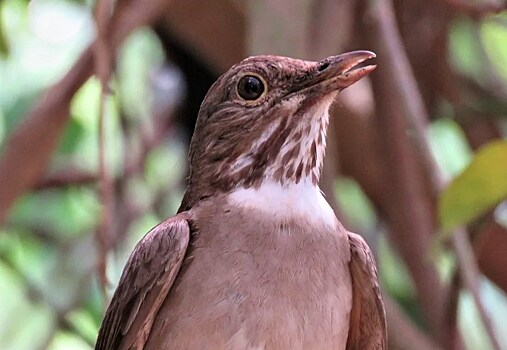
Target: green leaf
[481,186]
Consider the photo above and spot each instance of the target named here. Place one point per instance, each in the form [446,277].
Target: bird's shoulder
[146,279]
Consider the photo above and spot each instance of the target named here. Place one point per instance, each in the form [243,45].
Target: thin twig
[405,86]
[66,177]
[469,272]
[452,339]
[103,62]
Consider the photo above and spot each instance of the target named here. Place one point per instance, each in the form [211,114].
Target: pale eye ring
[251,87]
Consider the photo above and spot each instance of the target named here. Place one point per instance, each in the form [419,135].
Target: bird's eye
[251,87]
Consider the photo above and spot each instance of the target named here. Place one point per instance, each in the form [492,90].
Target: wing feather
[145,282]
[367,329]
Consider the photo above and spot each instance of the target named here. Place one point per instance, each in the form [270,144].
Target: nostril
[323,66]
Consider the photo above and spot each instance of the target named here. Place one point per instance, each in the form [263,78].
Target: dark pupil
[250,87]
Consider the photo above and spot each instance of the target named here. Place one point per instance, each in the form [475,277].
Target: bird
[255,258]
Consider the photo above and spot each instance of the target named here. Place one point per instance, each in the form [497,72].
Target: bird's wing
[367,329]
[145,282]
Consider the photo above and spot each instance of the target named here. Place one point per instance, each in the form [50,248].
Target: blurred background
[98,100]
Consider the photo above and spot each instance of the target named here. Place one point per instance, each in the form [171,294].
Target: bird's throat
[289,188]
[302,203]
[298,157]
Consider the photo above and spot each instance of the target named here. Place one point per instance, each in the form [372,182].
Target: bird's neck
[288,153]
[300,202]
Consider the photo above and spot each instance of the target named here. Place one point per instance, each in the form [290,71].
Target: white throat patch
[303,201]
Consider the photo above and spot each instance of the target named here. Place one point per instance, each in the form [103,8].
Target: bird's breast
[251,282]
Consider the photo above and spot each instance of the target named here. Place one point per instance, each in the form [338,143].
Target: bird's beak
[335,73]
[342,71]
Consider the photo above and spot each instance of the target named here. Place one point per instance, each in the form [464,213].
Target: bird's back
[250,282]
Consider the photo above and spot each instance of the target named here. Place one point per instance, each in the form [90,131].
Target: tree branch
[408,209]
[405,86]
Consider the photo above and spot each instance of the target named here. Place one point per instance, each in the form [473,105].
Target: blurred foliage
[49,294]
[47,255]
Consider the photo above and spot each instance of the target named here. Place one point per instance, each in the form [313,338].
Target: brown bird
[255,258]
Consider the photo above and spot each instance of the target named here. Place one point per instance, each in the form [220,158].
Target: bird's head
[266,119]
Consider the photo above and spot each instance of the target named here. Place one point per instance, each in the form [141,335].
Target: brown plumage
[256,258]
